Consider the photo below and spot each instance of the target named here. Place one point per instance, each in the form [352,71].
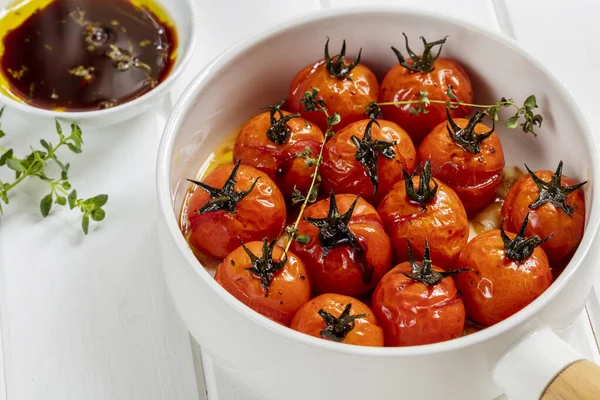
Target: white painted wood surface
[89,318]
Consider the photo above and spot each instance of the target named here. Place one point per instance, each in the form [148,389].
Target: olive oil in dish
[84,55]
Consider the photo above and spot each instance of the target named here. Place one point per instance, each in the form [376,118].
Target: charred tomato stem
[425,62]
[466,138]
[424,271]
[264,267]
[368,151]
[279,132]
[553,192]
[225,198]
[520,248]
[336,65]
[425,193]
[337,328]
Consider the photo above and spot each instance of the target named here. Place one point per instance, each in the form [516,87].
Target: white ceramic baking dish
[519,356]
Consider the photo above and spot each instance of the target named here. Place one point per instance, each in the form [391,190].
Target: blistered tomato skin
[566,231]
[343,173]
[400,84]
[347,97]
[288,291]
[412,313]
[443,221]
[366,330]
[497,286]
[282,162]
[474,177]
[260,214]
[345,270]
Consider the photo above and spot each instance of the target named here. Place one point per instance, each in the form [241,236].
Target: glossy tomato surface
[566,231]
[287,292]
[474,177]
[497,286]
[346,270]
[412,313]
[443,222]
[347,97]
[260,214]
[343,173]
[366,330]
[288,164]
[401,84]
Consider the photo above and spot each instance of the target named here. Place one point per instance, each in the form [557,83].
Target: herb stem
[451,103]
[294,230]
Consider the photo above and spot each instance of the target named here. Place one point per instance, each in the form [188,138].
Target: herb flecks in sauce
[79,55]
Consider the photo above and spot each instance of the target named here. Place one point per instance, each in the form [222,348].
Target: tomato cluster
[379,254]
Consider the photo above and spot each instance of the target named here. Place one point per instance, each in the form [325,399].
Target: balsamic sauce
[81,55]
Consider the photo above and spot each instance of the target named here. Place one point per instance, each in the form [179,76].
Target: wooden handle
[579,381]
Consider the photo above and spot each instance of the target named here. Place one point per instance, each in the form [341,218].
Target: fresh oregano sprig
[61,192]
[311,102]
[524,113]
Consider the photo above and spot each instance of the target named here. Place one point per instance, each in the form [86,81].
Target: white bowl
[278,363]
[183,16]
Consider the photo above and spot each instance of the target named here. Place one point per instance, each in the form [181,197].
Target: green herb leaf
[530,103]
[73,148]
[61,200]
[72,199]
[100,200]
[58,127]
[46,205]
[334,119]
[15,165]
[451,94]
[85,223]
[303,239]
[512,122]
[6,156]
[98,214]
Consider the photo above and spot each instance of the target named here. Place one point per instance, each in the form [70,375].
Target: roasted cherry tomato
[507,272]
[232,203]
[423,208]
[410,79]
[340,319]
[467,156]
[417,303]
[283,146]
[557,208]
[262,277]
[367,158]
[343,245]
[345,86]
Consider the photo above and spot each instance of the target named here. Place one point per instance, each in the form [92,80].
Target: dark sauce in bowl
[83,55]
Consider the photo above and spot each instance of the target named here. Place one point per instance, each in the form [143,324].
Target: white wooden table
[89,318]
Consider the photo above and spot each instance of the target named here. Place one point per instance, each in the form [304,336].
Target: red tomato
[473,174]
[339,318]
[236,201]
[418,304]
[433,212]
[367,158]
[347,250]
[283,146]
[268,282]
[503,277]
[563,216]
[346,87]
[405,82]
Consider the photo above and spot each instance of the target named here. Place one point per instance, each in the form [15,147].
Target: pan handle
[543,366]
[580,380]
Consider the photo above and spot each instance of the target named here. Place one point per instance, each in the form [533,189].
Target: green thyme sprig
[311,102]
[523,113]
[61,192]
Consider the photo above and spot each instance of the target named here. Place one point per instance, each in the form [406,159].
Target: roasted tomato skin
[412,313]
[340,271]
[548,219]
[497,286]
[347,97]
[400,84]
[280,161]
[260,214]
[443,222]
[343,173]
[474,177]
[289,289]
[366,330]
